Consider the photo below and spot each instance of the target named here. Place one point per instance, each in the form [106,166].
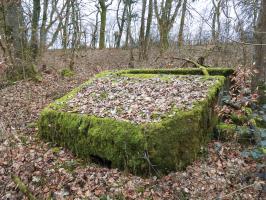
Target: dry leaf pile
[54,172]
[140,100]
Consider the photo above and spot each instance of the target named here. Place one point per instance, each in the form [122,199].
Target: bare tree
[53,20]
[94,34]
[216,20]
[144,38]
[35,27]
[165,19]
[180,39]
[241,32]
[148,29]
[13,34]
[43,33]
[75,31]
[120,22]
[65,25]
[129,16]
[103,11]
[142,29]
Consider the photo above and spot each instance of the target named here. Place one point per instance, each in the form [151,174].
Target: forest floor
[52,172]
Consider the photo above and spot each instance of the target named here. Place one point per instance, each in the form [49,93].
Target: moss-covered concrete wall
[168,145]
[182,71]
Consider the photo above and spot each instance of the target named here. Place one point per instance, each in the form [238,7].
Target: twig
[230,194]
[22,187]
[238,42]
[147,158]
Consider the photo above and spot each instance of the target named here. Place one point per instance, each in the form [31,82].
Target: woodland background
[48,47]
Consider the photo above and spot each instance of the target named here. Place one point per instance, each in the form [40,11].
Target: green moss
[168,145]
[103,95]
[120,142]
[263,150]
[204,71]
[67,73]
[56,150]
[181,71]
[226,127]
[242,134]
[226,131]
[37,77]
[239,119]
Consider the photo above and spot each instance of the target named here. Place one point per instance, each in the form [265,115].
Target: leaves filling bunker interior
[141,121]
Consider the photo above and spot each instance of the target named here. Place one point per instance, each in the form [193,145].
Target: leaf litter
[53,172]
[140,100]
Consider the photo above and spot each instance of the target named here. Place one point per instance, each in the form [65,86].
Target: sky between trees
[198,19]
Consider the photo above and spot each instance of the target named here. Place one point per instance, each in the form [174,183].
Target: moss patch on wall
[181,71]
[157,148]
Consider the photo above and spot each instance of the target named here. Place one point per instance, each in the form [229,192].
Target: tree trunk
[14,31]
[255,13]
[34,28]
[259,80]
[74,21]
[148,30]
[164,43]
[128,33]
[182,23]
[214,27]
[142,31]
[218,13]
[14,20]
[94,35]
[43,35]
[120,26]
[216,19]
[77,24]
[65,26]
[3,45]
[103,24]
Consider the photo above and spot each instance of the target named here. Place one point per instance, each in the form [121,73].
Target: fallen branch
[22,187]
[203,68]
